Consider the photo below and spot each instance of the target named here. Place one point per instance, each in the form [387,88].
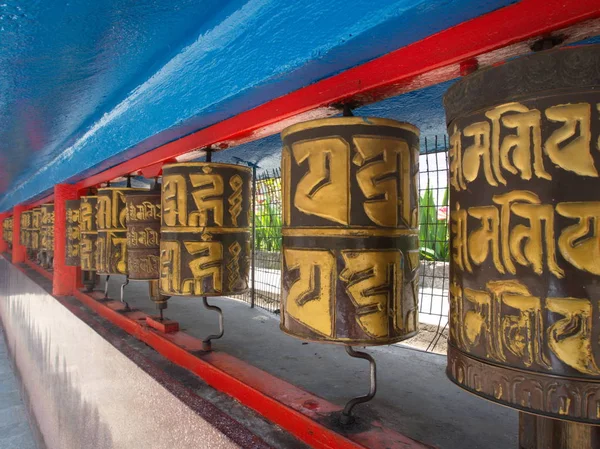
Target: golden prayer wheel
[350,234]
[7,229]
[88,234]
[143,241]
[111,245]
[205,237]
[25,235]
[73,237]
[47,235]
[36,223]
[350,230]
[525,234]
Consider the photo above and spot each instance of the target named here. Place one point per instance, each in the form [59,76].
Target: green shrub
[433,232]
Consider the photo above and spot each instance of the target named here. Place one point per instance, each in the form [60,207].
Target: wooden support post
[65,278]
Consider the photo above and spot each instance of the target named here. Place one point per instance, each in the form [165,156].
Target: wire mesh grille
[265,275]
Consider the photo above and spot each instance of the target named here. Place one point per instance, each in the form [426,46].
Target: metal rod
[106,287]
[347,417]
[208,152]
[253,256]
[123,292]
[206,344]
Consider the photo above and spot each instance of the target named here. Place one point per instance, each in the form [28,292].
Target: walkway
[15,431]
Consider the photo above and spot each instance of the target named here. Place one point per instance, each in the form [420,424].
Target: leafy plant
[268,215]
[433,230]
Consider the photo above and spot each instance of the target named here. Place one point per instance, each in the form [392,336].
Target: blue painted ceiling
[86,84]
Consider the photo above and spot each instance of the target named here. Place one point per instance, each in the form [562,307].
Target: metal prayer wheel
[205,237]
[73,238]
[350,230]
[36,223]
[111,245]
[525,235]
[88,234]
[143,241]
[47,234]
[350,234]
[7,230]
[25,236]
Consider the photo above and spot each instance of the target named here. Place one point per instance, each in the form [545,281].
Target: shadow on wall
[78,421]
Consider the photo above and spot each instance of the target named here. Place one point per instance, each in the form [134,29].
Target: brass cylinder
[525,233]
[73,237]
[25,233]
[7,229]
[350,230]
[88,231]
[111,246]
[47,228]
[205,237]
[36,224]
[143,235]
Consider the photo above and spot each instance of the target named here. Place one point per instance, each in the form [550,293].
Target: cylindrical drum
[5,230]
[47,227]
[350,230]
[143,235]
[8,231]
[205,237]
[25,235]
[73,234]
[525,233]
[88,231]
[111,245]
[36,224]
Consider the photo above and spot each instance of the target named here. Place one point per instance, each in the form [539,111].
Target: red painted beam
[432,60]
[19,252]
[65,277]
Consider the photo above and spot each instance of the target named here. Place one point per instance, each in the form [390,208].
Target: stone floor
[414,396]
[15,430]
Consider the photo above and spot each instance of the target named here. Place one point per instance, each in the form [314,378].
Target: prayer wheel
[525,238]
[350,230]
[47,235]
[205,237]
[143,241]
[25,235]
[88,234]
[111,245]
[36,223]
[6,230]
[73,239]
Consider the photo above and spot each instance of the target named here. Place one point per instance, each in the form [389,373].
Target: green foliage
[268,215]
[433,233]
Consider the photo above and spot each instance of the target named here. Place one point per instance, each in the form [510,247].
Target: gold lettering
[579,244]
[310,296]
[575,155]
[170,263]
[478,152]
[458,227]
[372,279]
[207,196]
[286,171]
[455,157]
[235,200]
[488,236]
[323,190]
[571,337]
[384,177]
[174,200]
[206,266]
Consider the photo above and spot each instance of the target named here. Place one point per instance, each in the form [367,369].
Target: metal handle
[206,344]
[347,417]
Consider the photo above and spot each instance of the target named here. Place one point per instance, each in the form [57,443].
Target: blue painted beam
[88,85]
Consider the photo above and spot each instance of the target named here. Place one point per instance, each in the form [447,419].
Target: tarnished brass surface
[73,234]
[25,232]
[525,233]
[47,228]
[7,230]
[36,225]
[111,217]
[350,230]
[143,235]
[205,237]
[88,230]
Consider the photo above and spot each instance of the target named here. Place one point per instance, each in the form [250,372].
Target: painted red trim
[432,60]
[286,405]
[40,270]
[65,277]
[19,252]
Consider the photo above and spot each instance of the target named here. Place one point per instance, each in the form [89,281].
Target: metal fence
[433,234]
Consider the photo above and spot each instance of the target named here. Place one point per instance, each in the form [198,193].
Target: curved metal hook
[347,417]
[206,342]
[106,287]
[123,292]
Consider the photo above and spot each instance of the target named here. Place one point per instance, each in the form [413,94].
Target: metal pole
[346,417]
[253,291]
